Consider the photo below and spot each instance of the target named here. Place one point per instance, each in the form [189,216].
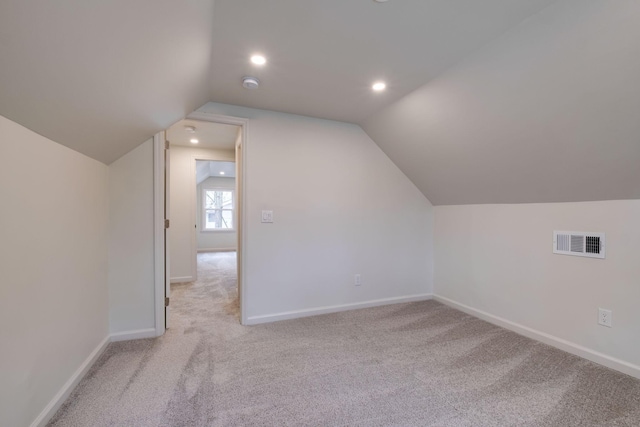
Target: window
[218,210]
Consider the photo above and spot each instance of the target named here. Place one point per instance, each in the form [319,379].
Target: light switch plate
[267,216]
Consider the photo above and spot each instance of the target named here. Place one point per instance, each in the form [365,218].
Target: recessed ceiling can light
[221,173]
[258,59]
[250,82]
[379,86]
[190,129]
[194,141]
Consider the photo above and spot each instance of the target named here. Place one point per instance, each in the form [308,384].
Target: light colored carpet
[416,364]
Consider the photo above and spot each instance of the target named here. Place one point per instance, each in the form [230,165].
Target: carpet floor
[415,364]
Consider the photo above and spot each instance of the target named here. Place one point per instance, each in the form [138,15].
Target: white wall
[546,112]
[182,201]
[340,206]
[498,259]
[53,258]
[131,240]
[215,240]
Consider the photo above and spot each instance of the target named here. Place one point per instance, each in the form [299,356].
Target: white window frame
[204,210]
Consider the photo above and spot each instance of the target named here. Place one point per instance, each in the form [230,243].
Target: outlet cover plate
[605,317]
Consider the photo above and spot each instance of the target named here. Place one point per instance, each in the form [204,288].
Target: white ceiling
[101,77]
[550,112]
[216,169]
[493,101]
[216,136]
[324,55]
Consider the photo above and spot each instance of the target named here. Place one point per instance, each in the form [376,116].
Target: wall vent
[578,243]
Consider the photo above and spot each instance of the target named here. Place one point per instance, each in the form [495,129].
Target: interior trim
[50,410]
[562,344]
[286,315]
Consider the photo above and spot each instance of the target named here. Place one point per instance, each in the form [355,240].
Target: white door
[167,230]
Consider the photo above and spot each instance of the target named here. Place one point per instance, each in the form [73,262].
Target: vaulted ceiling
[101,77]
[494,101]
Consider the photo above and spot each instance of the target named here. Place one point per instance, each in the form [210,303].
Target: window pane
[218,209]
[227,199]
[217,199]
[211,219]
[227,219]
[209,202]
[218,219]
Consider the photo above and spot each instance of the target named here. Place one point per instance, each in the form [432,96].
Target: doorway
[205,197]
[216,219]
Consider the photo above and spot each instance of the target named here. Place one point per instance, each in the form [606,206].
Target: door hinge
[166,145]
[166,301]
[166,223]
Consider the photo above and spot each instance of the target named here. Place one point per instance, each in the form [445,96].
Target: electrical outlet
[605,317]
[357,280]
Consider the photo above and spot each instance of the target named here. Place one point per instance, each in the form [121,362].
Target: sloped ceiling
[101,77]
[323,56]
[217,136]
[493,101]
[549,112]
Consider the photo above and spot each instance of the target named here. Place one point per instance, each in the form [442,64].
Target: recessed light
[194,141]
[258,59]
[379,86]
[221,173]
[190,129]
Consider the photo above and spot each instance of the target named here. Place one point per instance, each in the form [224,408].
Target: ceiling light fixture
[194,141]
[250,82]
[379,86]
[258,59]
[221,173]
[190,129]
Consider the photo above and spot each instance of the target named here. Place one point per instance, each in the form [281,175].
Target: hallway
[210,299]
[152,382]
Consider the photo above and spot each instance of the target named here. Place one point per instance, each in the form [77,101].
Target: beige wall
[341,207]
[131,240]
[498,259]
[546,112]
[182,202]
[53,258]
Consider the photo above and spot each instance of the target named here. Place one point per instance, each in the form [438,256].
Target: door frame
[161,267]
[159,242]
[194,206]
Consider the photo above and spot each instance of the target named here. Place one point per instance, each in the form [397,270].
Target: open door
[167,230]
[162,214]
[239,214]
[161,231]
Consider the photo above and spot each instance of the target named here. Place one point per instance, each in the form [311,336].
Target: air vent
[578,243]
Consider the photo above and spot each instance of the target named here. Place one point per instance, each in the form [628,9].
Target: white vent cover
[578,243]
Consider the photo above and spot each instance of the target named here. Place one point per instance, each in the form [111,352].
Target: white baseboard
[134,335]
[184,279]
[49,411]
[568,346]
[217,250]
[267,318]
